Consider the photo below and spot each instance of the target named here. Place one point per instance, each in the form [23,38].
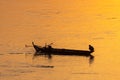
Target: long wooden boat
[56,51]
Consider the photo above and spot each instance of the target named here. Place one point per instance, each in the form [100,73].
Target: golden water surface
[72,24]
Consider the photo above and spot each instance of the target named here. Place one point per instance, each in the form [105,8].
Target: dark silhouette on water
[48,51]
[56,51]
[91,48]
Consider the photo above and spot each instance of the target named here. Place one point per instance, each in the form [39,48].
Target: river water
[71,24]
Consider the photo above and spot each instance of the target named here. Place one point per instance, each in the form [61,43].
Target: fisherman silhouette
[49,48]
[91,48]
